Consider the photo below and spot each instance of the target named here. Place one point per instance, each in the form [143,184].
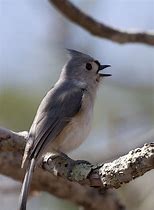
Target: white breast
[77,130]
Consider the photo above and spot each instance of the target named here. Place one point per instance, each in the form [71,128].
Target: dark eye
[88,66]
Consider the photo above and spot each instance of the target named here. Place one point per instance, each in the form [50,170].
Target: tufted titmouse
[63,119]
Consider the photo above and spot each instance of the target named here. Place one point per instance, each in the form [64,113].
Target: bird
[64,116]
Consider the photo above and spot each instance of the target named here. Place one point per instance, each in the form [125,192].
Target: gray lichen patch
[80,171]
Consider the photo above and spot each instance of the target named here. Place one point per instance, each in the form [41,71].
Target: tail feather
[26,185]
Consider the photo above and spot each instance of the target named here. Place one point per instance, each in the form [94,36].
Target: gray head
[84,68]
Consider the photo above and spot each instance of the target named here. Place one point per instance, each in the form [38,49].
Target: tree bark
[100,29]
[11,150]
[80,174]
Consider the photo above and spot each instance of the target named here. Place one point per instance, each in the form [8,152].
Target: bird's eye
[88,66]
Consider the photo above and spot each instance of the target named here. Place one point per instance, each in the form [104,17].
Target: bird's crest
[77,54]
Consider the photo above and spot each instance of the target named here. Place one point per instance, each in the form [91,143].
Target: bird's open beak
[101,67]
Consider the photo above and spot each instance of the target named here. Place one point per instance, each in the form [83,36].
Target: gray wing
[55,111]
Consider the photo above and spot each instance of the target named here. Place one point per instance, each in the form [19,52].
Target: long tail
[26,185]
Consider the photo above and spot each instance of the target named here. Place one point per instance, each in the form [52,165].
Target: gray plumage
[54,113]
[63,119]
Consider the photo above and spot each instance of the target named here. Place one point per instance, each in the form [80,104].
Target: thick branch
[108,175]
[100,29]
[11,150]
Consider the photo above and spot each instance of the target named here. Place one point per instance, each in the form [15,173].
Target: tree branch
[11,149]
[109,175]
[100,29]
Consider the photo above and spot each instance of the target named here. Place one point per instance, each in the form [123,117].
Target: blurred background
[32,52]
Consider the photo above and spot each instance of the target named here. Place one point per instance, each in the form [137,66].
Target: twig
[99,29]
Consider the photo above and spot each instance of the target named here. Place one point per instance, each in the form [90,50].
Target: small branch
[96,28]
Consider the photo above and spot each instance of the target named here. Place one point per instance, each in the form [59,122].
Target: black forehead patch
[97,62]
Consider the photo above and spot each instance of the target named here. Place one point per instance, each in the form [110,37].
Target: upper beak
[101,67]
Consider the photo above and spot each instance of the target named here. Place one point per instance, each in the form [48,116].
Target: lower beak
[101,67]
